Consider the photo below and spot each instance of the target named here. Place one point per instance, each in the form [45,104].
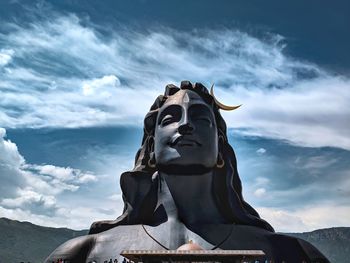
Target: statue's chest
[173,234]
[170,235]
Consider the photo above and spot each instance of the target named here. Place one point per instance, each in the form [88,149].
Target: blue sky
[77,78]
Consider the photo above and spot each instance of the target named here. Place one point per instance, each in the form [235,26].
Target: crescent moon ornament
[220,105]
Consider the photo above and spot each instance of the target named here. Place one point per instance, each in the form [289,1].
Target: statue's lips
[184,141]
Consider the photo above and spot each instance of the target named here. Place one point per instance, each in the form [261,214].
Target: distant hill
[334,242]
[24,241]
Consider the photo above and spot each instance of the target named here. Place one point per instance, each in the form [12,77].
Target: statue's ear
[150,122]
[150,146]
[151,158]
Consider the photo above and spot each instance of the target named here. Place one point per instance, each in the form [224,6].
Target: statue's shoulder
[277,246]
[73,250]
[296,248]
[312,252]
[103,244]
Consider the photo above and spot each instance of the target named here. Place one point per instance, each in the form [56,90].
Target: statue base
[233,256]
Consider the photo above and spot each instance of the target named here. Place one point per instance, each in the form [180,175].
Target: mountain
[24,241]
[334,242]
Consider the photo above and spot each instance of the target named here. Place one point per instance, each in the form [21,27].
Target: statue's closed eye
[170,114]
[203,119]
[168,119]
[201,114]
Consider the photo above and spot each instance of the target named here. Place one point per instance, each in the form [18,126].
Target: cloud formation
[93,86]
[62,72]
[5,56]
[35,190]
[295,184]
[306,218]
[311,113]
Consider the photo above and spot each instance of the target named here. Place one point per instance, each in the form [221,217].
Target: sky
[77,78]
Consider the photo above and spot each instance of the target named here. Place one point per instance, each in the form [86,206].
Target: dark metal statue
[184,186]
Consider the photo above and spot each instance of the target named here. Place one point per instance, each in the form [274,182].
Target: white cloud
[306,218]
[104,83]
[10,155]
[35,189]
[260,192]
[77,218]
[282,220]
[318,162]
[260,184]
[116,197]
[282,98]
[311,113]
[261,151]
[86,178]
[31,200]
[261,181]
[5,56]
[10,166]
[58,172]
[64,174]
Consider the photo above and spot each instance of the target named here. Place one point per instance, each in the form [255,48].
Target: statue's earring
[220,162]
[152,160]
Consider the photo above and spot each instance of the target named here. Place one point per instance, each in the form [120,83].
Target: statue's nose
[185,128]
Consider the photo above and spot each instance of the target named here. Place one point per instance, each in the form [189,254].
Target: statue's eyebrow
[173,109]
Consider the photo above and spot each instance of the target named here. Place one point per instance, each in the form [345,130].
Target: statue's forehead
[184,97]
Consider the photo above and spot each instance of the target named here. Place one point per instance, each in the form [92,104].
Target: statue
[184,186]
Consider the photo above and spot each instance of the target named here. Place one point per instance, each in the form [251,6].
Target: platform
[233,256]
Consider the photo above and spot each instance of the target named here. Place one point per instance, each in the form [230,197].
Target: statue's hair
[140,185]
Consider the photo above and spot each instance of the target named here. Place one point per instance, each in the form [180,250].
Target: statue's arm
[75,250]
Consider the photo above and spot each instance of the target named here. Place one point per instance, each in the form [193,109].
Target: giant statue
[184,186]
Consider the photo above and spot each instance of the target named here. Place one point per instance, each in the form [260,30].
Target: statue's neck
[190,198]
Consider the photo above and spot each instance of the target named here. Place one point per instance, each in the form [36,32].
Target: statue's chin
[192,169]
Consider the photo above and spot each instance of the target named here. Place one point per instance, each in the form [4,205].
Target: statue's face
[186,132]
